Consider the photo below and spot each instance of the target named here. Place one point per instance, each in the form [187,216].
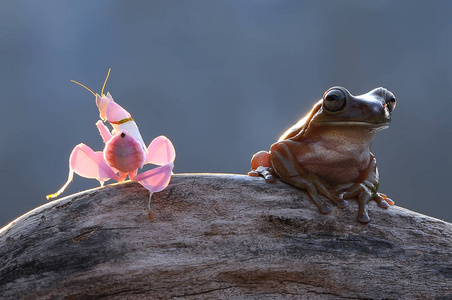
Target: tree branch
[221,236]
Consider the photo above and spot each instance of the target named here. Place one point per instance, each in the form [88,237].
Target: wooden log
[221,236]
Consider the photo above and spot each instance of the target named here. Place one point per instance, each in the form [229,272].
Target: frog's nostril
[390,101]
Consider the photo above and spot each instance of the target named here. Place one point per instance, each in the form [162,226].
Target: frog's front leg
[366,190]
[287,167]
[261,166]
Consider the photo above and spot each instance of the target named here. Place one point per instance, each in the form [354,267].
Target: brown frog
[328,151]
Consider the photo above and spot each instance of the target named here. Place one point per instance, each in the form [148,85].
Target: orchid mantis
[124,153]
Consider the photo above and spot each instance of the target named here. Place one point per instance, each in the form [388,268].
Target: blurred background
[223,80]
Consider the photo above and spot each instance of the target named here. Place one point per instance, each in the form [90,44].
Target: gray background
[221,79]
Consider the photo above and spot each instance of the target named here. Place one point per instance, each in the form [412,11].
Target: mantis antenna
[105,82]
[84,87]
[103,87]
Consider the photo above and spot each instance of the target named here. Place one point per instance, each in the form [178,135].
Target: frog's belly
[336,167]
[334,175]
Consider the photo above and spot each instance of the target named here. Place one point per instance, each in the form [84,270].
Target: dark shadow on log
[221,236]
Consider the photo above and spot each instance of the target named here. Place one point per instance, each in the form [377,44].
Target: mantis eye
[123,135]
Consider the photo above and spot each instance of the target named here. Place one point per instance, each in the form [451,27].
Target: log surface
[221,236]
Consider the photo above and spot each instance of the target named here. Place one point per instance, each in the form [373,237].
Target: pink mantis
[124,153]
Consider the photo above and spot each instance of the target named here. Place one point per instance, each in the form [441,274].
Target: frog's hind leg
[323,189]
[302,183]
[363,204]
[364,195]
[283,164]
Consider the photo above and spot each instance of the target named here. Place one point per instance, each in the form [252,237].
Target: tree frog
[328,151]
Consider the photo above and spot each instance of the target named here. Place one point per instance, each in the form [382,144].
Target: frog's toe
[324,208]
[270,178]
[386,198]
[383,204]
[263,171]
[363,217]
[363,206]
[253,173]
[342,204]
[383,200]
[266,172]
[325,191]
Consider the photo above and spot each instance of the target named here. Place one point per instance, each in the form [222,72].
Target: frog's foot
[325,191]
[261,166]
[315,187]
[383,200]
[265,172]
[365,194]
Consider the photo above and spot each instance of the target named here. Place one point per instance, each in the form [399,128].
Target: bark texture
[221,236]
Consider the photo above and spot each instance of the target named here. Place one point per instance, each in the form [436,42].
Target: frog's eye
[390,101]
[334,100]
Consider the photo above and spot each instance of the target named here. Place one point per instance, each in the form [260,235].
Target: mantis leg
[86,163]
[103,130]
[150,215]
[160,151]
[154,180]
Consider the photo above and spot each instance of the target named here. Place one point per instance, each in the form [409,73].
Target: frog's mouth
[370,125]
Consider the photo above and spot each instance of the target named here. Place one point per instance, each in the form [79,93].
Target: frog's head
[340,107]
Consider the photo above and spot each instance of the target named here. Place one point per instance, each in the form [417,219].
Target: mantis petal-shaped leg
[154,180]
[160,151]
[86,163]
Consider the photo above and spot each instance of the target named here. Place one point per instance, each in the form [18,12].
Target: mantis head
[108,109]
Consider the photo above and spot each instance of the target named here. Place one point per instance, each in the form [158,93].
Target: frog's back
[297,130]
